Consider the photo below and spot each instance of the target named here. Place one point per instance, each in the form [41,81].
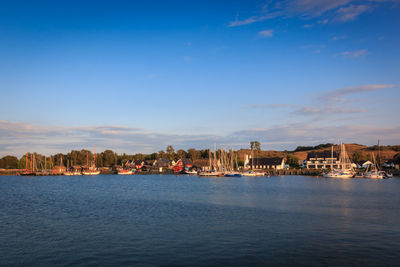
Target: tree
[255,146]
[292,160]
[9,162]
[171,152]
[109,158]
[194,154]
[161,154]
[182,154]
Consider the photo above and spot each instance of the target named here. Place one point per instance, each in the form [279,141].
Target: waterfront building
[322,160]
[162,164]
[182,164]
[58,170]
[202,165]
[365,164]
[275,163]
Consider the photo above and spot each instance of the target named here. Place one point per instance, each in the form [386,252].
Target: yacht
[346,170]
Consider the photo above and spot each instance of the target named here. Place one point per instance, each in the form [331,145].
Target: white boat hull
[125,173]
[91,172]
[373,175]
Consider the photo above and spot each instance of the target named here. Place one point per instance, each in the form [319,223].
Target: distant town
[312,160]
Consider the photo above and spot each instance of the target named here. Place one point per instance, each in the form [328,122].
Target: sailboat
[375,173]
[231,170]
[28,172]
[92,170]
[214,166]
[346,170]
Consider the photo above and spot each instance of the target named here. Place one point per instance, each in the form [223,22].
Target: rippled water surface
[186,220]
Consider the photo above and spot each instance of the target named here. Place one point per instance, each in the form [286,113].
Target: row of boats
[347,171]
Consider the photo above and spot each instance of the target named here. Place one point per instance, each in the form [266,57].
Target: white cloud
[266,33]
[350,12]
[16,138]
[336,95]
[354,54]
[328,10]
[306,133]
[323,110]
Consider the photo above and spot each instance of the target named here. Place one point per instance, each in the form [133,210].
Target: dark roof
[266,161]
[322,154]
[201,163]
[187,161]
[162,163]
[363,161]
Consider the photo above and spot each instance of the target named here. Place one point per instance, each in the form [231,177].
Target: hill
[355,151]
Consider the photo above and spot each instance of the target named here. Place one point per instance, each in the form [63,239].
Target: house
[58,170]
[77,168]
[201,164]
[389,164]
[182,164]
[139,164]
[365,164]
[264,163]
[162,164]
[322,160]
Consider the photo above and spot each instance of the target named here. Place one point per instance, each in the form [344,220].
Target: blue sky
[136,76]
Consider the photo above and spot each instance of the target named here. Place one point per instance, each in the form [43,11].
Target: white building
[264,163]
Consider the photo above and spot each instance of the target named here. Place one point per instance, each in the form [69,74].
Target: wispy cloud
[330,103]
[351,12]
[318,110]
[268,106]
[353,54]
[325,10]
[292,135]
[336,95]
[333,102]
[266,33]
[17,137]
[315,48]
[336,38]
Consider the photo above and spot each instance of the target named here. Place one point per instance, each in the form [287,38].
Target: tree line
[107,158]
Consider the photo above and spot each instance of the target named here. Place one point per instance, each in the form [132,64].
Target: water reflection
[144,220]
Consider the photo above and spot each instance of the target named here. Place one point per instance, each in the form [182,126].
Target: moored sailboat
[375,173]
[92,170]
[346,170]
[30,171]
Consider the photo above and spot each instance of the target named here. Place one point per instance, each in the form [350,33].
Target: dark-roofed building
[322,160]
[162,164]
[265,163]
[182,164]
[202,164]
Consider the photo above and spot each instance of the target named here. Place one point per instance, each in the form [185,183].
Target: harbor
[327,160]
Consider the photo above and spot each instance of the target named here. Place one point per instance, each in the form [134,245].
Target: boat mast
[332,158]
[379,155]
[215,156]
[209,158]
[26,161]
[94,156]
